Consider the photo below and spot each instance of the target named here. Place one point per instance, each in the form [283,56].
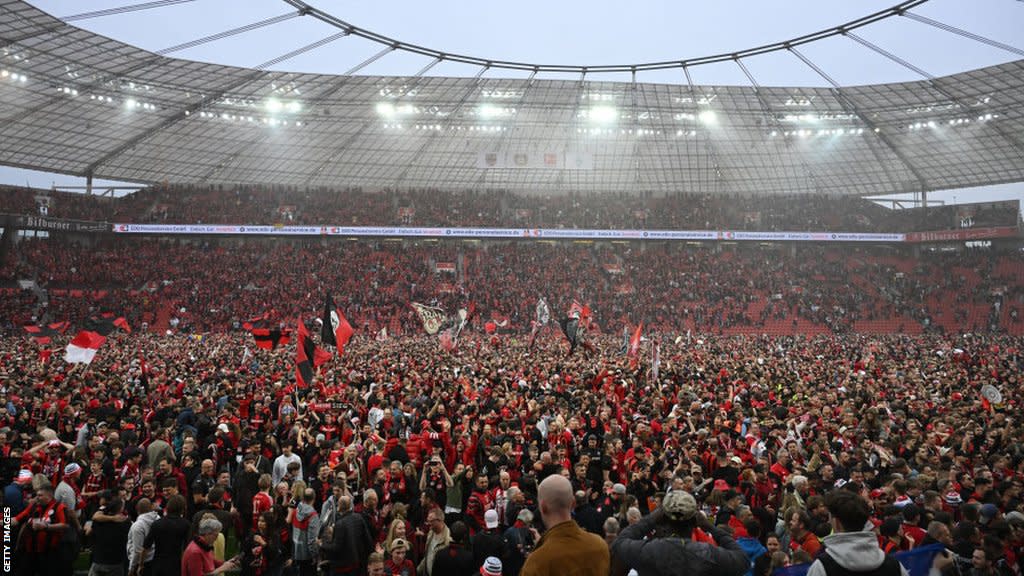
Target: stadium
[500,316]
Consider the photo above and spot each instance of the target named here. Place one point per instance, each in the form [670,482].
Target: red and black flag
[257,322]
[44,334]
[336,330]
[307,357]
[105,323]
[268,339]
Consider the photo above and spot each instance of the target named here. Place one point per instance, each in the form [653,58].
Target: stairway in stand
[163,317]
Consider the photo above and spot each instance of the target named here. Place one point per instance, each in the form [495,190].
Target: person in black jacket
[352,544]
[262,549]
[457,559]
[672,547]
[110,542]
[586,515]
[168,538]
[488,542]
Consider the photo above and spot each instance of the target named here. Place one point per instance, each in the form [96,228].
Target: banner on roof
[548,160]
[963,234]
[513,233]
[25,222]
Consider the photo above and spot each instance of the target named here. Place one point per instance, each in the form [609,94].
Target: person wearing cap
[397,563]
[67,491]
[850,549]
[565,548]
[987,516]
[488,542]
[14,493]
[492,566]
[611,504]
[672,547]
[50,454]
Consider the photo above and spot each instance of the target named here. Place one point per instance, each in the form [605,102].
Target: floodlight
[294,106]
[708,117]
[603,114]
[130,103]
[385,109]
[273,105]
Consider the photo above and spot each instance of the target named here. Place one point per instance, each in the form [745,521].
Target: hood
[856,551]
[303,511]
[751,547]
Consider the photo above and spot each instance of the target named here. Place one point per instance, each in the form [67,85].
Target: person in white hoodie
[851,549]
[138,556]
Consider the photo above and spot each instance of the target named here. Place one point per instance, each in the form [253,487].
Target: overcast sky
[574,32]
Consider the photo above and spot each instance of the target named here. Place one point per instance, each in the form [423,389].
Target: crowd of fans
[174,455]
[175,204]
[183,448]
[215,287]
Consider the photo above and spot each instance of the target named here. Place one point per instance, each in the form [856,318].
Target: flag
[465,315]
[382,336]
[575,309]
[121,323]
[570,327]
[105,324]
[625,340]
[656,362]
[270,339]
[336,330]
[44,334]
[534,329]
[307,357]
[917,562]
[499,319]
[83,347]
[257,322]
[542,313]
[246,356]
[431,317]
[635,341]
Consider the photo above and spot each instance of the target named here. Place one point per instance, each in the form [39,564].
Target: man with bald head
[565,549]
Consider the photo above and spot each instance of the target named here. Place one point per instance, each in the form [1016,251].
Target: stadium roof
[74,102]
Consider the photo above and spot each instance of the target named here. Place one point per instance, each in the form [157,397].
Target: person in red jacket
[479,503]
[198,558]
[45,521]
